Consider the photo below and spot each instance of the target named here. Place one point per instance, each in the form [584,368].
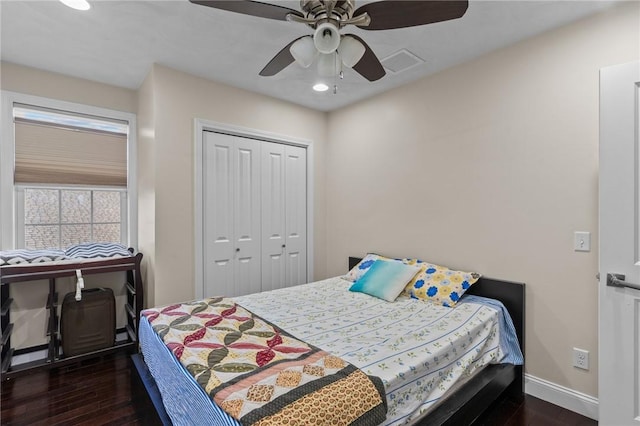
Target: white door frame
[200,125]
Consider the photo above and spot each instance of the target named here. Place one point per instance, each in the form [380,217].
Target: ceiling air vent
[400,61]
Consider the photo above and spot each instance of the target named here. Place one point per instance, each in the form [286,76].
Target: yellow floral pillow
[439,284]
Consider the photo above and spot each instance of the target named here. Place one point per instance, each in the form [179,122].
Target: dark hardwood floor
[102,392]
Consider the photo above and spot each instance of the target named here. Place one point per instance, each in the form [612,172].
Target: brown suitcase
[89,324]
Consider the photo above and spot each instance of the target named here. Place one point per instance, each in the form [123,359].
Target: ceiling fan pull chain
[336,62]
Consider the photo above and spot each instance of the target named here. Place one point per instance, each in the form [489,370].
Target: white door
[273,216]
[231,192]
[296,215]
[619,306]
[284,216]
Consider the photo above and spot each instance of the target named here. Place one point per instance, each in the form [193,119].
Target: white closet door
[247,217]
[231,215]
[296,215]
[273,216]
[217,152]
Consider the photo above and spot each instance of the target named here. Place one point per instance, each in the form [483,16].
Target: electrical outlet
[581,358]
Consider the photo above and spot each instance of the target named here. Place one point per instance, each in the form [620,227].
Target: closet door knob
[237,249]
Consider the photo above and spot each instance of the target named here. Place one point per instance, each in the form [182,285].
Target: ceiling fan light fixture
[351,51]
[77,4]
[304,51]
[320,87]
[326,38]
[329,65]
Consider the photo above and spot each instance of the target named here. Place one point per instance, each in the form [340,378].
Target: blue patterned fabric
[363,266]
[508,338]
[16,257]
[92,250]
[184,400]
[78,251]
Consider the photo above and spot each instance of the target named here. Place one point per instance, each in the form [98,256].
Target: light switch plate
[582,241]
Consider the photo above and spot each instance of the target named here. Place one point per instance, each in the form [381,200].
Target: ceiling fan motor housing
[324,10]
[327,16]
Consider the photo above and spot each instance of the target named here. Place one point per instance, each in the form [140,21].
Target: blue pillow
[385,279]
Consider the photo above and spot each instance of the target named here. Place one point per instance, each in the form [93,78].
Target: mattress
[419,350]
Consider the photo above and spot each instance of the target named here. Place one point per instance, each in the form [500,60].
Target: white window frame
[8,190]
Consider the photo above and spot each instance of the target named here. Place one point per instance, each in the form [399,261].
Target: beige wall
[490,166]
[147,184]
[31,81]
[178,98]
[28,311]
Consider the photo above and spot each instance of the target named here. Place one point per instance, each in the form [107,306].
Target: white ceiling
[116,42]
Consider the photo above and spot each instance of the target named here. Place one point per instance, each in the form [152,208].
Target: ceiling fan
[328,17]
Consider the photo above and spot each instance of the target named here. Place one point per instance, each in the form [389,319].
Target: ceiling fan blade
[390,14]
[368,66]
[253,8]
[280,61]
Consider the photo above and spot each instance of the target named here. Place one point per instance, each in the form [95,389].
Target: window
[60,217]
[70,178]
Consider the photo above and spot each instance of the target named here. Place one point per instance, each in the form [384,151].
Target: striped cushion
[91,250]
[16,257]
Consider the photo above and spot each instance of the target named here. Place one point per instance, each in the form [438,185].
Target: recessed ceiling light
[77,4]
[320,87]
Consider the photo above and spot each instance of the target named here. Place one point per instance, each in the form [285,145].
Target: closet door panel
[231,203]
[218,187]
[273,215]
[296,268]
[247,216]
[296,214]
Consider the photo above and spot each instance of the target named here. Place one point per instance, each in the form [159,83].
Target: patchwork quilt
[261,375]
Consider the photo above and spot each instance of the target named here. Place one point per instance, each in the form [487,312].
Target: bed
[359,339]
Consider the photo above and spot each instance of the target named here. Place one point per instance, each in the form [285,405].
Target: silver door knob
[617,280]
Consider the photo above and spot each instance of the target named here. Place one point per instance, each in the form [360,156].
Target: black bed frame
[462,407]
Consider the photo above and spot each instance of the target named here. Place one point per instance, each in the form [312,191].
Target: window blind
[58,154]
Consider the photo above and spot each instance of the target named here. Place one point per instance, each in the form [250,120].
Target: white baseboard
[28,357]
[570,399]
